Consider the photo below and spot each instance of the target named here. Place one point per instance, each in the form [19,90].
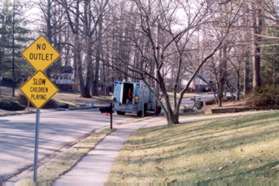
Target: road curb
[16,113]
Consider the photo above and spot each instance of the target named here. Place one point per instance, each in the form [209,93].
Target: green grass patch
[67,159]
[227,151]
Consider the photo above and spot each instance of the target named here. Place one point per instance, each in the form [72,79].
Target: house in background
[198,84]
[65,79]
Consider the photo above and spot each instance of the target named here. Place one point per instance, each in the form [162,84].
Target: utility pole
[13,50]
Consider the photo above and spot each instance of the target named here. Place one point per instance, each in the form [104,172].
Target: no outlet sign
[40,54]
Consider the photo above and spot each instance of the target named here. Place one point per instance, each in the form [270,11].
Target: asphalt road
[57,129]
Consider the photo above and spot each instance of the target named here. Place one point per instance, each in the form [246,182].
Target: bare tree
[167,43]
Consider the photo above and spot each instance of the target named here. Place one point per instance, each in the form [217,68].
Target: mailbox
[106,109]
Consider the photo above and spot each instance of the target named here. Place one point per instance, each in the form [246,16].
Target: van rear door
[117,91]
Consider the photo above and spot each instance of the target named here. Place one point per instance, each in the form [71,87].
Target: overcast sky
[32,13]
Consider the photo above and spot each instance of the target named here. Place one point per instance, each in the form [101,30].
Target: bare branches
[162,42]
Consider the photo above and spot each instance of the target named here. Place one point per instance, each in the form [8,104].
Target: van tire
[145,108]
[120,113]
[158,111]
[139,114]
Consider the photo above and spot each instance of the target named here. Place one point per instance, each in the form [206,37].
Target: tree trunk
[246,75]
[49,18]
[49,28]
[238,86]
[172,118]
[257,67]
[274,75]
[95,86]
[222,75]
[77,58]
[257,24]
[77,50]
[89,75]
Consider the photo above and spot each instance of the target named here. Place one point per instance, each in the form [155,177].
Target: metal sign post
[37,131]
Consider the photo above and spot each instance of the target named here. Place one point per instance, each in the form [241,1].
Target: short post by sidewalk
[108,110]
[111,113]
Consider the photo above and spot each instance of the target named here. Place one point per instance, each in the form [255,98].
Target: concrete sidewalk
[94,168]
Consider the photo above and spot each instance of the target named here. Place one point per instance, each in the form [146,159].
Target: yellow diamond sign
[39,89]
[40,54]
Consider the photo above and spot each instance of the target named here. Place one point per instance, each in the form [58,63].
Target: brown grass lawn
[75,99]
[240,150]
